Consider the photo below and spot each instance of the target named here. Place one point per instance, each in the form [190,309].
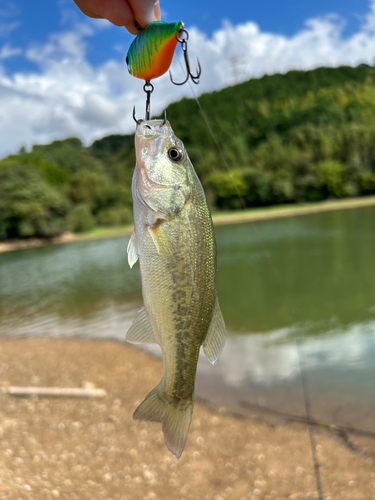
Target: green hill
[302,136]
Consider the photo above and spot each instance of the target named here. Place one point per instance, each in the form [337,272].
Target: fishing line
[265,249]
[301,360]
[306,396]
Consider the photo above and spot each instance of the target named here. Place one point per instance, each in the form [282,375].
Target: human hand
[122,12]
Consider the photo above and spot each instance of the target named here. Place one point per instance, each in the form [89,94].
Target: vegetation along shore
[219,219]
[302,137]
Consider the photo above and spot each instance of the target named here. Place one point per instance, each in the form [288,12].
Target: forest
[293,138]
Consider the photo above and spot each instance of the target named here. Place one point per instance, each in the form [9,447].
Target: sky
[63,74]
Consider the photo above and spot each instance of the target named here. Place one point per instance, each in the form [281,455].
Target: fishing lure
[151,53]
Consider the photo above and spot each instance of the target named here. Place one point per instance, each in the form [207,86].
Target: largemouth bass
[175,243]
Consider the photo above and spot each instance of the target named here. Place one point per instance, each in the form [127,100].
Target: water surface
[310,278]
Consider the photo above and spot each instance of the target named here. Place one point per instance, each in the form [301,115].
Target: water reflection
[269,358]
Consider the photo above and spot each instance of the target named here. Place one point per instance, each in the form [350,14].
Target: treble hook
[148,88]
[139,120]
[183,42]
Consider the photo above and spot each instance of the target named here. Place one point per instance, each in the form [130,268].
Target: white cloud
[68,46]
[9,9]
[7,51]
[70,97]
[7,28]
[369,23]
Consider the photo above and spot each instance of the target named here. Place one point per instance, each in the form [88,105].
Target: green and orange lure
[151,53]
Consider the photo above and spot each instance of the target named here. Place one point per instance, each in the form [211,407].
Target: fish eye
[175,154]
[127,60]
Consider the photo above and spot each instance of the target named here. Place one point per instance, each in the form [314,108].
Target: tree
[28,205]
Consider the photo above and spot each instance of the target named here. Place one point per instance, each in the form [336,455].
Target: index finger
[117,12]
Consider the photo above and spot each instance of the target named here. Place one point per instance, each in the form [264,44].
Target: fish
[174,240]
[151,52]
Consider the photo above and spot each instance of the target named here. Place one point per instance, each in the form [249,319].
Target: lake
[310,278]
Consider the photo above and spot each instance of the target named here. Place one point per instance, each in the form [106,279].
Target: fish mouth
[152,129]
[150,136]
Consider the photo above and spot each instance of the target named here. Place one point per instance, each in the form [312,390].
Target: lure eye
[175,154]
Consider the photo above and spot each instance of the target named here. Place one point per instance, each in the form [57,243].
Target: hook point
[195,78]
[139,121]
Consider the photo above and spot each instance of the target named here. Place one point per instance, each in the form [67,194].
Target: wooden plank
[57,392]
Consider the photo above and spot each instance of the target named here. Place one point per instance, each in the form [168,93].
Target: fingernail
[157,15]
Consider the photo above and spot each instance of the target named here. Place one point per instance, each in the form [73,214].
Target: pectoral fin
[215,339]
[133,251]
[141,330]
[160,239]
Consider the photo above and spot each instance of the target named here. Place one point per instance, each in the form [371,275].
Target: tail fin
[175,419]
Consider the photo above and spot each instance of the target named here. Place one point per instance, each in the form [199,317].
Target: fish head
[164,180]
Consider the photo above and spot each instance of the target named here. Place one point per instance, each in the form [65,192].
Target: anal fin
[215,339]
[141,331]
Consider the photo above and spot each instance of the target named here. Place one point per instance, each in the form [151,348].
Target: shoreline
[80,449]
[219,219]
[355,439]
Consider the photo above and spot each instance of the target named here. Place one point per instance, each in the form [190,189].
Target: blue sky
[37,20]
[63,74]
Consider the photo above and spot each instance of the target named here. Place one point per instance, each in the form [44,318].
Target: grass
[219,218]
[290,210]
[248,215]
[105,232]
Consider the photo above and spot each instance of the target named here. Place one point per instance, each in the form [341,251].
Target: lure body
[151,52]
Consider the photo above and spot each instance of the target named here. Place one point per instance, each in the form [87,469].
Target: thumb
[145,11]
